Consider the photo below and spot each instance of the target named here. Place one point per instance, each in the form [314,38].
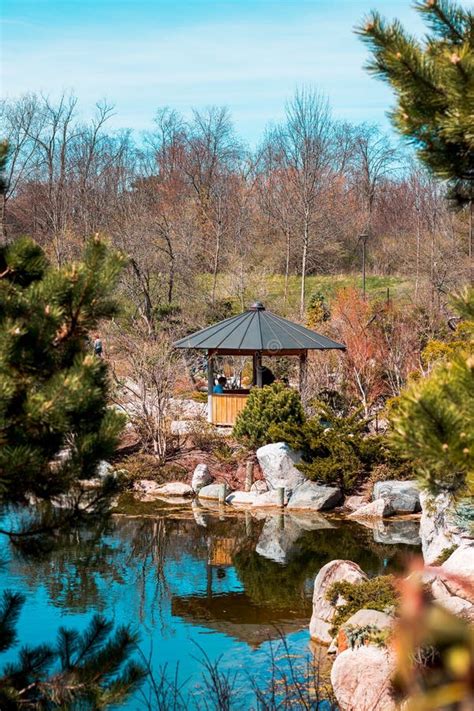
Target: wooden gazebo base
[225,407]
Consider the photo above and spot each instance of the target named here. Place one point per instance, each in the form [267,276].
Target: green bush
[374,594]
[335,449]
[267,407]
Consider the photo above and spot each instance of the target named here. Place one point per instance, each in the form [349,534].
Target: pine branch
[10,609]
[446,18]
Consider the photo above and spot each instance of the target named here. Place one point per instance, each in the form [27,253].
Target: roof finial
[257,306]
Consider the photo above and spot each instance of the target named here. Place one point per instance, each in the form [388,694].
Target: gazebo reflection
[236,615]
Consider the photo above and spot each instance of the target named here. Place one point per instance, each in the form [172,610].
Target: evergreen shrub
[375,594]
[265,408]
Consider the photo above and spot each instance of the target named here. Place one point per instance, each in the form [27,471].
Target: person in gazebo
[267,376]
[219,387]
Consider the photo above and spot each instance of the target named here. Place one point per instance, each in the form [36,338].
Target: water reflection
[229,580]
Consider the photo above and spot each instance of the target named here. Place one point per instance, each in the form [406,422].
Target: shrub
[266,407]
[146,466]
[335,450]
[204,435]
[317,311]
[375,594]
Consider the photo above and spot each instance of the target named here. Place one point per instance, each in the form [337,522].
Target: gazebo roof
[257,330]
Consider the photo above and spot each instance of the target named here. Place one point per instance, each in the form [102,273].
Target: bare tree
[213,153]
[305,146]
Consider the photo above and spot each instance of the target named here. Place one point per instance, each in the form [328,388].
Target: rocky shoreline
[396,511]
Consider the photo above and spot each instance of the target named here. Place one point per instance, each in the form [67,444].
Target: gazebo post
[210,385]
[258,368]
[303,369]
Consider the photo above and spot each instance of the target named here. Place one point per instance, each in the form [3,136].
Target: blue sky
[249,55]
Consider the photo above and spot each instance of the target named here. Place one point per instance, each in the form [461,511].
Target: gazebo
[257,333]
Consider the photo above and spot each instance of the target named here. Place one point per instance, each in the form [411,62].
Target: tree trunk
[3,227]
[287,268]
[303,270]
[216,265]
[470,246]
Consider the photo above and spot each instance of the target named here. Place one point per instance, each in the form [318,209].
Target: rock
[150,490]
[459,570]
[404,496]
[361,679]
[278,538]
[376,509]
[310,495]
[103,469]
[277,462]
[211,491]
[145,487]
[259,487]
[438,530]
[323,610]
[352,503]
[242,498]
[401,532]
[270,498]
[452,603]
[201,477]
[377,621]
[187,409]
[175,488]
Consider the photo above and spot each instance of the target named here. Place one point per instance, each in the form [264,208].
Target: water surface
[195,579]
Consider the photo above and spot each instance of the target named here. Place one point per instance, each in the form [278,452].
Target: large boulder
[201,477]
[212,491]
[404,496]
[438,530]
[278,538]
[277,462]
[323,609]
[458,572]
[314,497]
[377,509]
[361,679]
[452,603]
[372,620]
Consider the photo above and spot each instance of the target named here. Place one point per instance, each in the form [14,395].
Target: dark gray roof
[257,330]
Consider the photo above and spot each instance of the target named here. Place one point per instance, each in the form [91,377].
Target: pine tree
[434,85]
[55,426]
[87,671]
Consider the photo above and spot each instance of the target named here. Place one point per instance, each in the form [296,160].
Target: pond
[197,580]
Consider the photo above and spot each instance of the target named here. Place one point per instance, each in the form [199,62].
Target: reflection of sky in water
[228,609]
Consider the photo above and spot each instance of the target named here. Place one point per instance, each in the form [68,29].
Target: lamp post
[363,238]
